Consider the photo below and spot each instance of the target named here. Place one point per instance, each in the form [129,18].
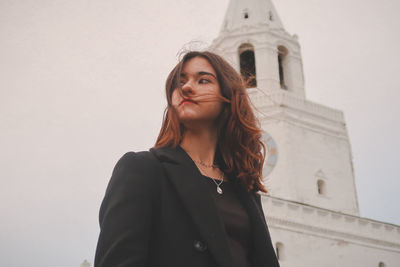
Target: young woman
[192,199]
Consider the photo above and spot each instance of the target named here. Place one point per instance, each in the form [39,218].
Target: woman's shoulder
[137,167]
[141,158]
[154,156]
[135,179]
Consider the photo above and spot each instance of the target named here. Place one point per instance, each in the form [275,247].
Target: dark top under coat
[236,221]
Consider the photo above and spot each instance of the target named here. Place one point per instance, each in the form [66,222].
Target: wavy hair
[240,151]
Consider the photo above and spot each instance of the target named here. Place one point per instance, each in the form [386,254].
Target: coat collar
[194,193]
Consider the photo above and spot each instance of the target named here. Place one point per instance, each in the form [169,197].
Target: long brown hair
[239,147]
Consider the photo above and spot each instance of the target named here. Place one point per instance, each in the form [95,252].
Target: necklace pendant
[219,190]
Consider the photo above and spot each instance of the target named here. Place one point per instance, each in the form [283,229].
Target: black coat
[158,212]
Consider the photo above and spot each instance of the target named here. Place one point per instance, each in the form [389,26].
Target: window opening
[321,187]
[248,65]
[282,53]
[279,251]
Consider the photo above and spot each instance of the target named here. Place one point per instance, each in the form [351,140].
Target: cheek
[214,109]
[175,98]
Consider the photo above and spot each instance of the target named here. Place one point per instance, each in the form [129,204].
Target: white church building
[311,207]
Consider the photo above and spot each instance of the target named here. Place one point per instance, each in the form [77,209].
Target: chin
[187,115]
[195,122]
[188,119]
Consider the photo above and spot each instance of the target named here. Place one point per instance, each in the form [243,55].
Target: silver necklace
[219,190]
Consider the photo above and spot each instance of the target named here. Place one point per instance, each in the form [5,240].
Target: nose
[187,88]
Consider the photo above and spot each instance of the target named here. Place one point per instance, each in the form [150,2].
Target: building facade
[312,206]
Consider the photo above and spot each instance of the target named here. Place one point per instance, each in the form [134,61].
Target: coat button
[199,246]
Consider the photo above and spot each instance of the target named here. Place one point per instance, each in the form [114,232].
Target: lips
[187,100]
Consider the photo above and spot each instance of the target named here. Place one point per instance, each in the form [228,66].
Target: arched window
[248,64]
[321,187]
[282,54]
[271,16]
[381,264]
[246,13]
[280,251]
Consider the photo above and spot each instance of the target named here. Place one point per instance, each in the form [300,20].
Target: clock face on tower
[271,156]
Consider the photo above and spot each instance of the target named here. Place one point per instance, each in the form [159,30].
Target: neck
[200,144]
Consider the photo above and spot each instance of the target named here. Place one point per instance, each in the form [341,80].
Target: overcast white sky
[82,82]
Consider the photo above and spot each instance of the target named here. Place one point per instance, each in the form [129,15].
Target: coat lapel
[193,190]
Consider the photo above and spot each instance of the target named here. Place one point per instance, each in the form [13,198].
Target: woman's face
[198,101]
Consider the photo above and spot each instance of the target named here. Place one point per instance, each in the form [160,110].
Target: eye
[204,81]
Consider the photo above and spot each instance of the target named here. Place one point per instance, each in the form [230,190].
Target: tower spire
[251,13]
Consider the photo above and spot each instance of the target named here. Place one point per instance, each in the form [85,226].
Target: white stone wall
[308,152]
[305,250]
[313,236]
[312,145]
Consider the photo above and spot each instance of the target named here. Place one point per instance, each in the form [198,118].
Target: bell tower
[254,40]
[308,149]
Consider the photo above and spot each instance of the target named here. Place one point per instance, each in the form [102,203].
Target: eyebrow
[200,73]
[206,73]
